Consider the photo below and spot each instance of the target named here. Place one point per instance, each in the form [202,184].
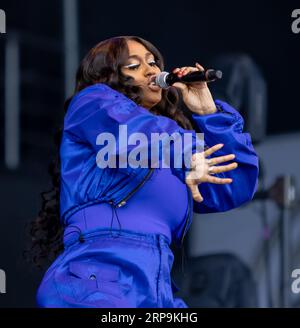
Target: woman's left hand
[196,95]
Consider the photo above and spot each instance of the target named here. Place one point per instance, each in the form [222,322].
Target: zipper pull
[122,203]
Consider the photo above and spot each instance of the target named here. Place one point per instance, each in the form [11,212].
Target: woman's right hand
[202,168]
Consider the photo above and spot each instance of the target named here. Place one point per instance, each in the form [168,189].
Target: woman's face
[141,66]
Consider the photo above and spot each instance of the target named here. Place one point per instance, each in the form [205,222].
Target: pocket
[94,271]
[89,277]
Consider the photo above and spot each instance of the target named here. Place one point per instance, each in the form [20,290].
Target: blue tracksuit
[130,266]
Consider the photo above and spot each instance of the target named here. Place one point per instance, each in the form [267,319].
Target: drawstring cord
[80,238]
[114,211]
[79,231]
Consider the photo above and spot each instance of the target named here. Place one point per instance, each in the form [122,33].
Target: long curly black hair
[102,64]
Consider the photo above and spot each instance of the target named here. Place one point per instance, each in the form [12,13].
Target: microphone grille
[160,80]
[219,74]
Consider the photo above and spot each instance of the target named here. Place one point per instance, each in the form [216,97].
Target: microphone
[165,79]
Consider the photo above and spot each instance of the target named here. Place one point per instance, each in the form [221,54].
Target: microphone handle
[204,76]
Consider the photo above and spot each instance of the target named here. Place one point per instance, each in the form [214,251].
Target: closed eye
[153,63]
[136,66]
[132,66]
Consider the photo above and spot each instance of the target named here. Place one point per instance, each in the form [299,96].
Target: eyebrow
[148,54]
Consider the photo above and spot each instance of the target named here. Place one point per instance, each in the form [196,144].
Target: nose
[149,70]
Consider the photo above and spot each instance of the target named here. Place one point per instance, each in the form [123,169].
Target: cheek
[138,79]
[131,74]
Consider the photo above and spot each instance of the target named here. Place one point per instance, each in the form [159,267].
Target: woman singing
[112,227]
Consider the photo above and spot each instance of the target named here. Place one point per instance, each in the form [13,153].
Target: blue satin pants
[111,268]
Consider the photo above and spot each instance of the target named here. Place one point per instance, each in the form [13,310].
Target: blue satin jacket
[99,108]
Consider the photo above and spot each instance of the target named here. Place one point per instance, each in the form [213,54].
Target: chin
[150,105]
[153,101]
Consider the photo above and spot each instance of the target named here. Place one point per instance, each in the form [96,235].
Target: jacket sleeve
[103,110]
[226,126]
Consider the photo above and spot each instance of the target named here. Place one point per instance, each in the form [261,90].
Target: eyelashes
[136,66]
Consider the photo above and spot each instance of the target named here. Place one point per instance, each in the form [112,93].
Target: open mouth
[152,86]
[152,80]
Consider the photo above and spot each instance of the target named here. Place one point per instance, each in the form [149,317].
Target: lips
[153,87]
[152,79]
[151,84]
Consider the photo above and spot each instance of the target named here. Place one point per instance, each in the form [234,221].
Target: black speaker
[216,281]
[244,87]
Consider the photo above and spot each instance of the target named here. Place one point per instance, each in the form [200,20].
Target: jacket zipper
[124,200]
